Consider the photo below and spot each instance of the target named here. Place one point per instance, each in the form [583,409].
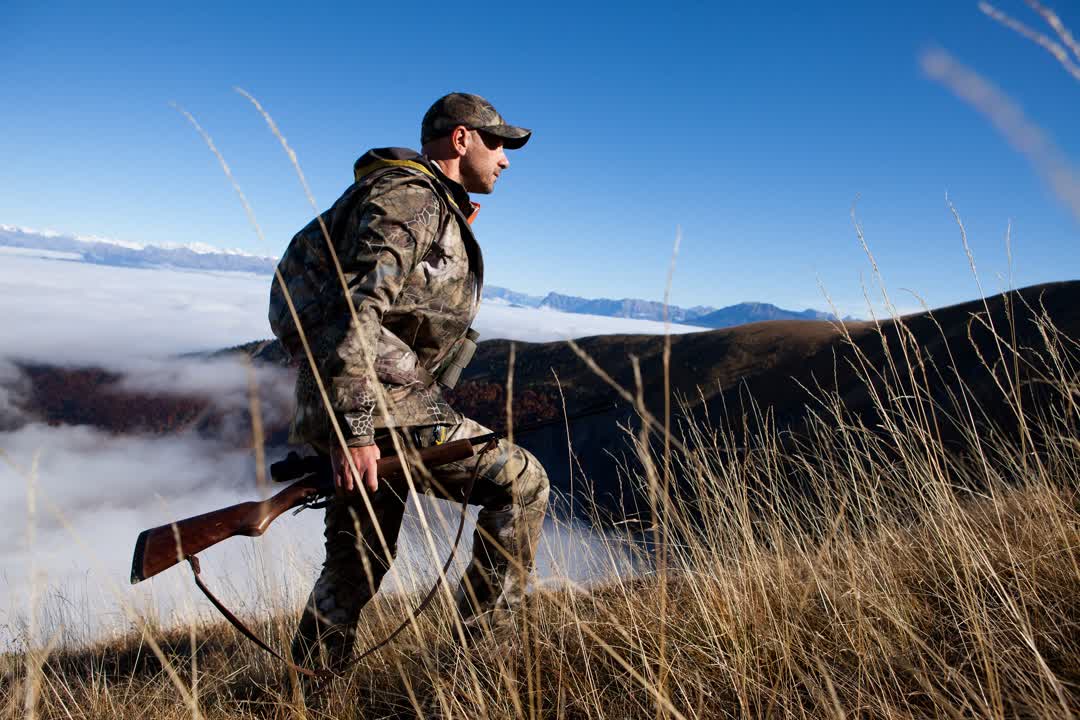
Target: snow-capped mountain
[203,257]
[109,251]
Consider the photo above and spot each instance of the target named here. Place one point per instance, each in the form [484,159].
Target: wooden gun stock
[162,547]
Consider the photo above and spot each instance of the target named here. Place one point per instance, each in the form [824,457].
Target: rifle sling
[326,674]
[239,624]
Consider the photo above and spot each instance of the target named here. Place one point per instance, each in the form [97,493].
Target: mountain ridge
[704,316]
[116,253]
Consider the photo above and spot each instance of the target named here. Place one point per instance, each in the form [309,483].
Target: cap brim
[512,137]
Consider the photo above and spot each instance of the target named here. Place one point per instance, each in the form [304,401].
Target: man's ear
[459,139]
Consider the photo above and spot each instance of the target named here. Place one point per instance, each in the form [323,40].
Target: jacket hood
[380,158]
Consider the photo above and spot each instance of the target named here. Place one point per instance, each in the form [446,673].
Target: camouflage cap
[475,113]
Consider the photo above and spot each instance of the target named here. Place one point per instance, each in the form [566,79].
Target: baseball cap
[473,112]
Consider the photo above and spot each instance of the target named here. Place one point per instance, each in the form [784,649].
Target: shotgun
[162,547]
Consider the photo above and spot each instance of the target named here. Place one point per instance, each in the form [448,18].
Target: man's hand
[366,459]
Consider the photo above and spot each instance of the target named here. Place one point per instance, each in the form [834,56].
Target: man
[403,239]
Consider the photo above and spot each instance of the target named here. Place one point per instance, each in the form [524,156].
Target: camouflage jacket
[414,272]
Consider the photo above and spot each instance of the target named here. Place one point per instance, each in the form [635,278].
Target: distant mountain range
[701,315]
[103,251]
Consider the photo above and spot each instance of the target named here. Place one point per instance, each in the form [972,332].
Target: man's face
[484,159]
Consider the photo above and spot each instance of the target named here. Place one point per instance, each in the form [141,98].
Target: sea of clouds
[74,498]
[67,311]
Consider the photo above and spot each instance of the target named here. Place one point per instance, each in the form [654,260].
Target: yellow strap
[378,164]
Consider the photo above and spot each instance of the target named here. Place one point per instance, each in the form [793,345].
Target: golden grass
[857,572]
[975,617]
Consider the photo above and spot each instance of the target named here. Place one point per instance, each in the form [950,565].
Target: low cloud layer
[95,491]
[72,312]
[14,388]
[543,325]
[69,560]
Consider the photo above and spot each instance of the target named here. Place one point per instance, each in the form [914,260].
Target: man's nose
[504,162]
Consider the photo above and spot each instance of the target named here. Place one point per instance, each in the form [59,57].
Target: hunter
[403,237]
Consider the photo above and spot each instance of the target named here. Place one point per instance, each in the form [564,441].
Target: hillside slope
[772,368]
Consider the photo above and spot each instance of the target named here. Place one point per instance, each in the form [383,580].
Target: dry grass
[857,572]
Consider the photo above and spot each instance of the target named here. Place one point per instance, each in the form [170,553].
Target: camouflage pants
[512,491]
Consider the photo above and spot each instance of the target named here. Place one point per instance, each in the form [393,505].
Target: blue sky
[752,126]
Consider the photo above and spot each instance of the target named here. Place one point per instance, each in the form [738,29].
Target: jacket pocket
[395,362]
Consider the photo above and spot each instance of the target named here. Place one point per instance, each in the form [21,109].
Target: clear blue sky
[752,125]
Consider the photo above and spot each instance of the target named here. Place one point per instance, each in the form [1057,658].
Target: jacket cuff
[355,404]
[359,440]
[358,428]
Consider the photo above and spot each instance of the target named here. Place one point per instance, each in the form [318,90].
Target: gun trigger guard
[316,503]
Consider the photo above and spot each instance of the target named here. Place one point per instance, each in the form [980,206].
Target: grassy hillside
[779,369]
[898,577]
[974,615]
